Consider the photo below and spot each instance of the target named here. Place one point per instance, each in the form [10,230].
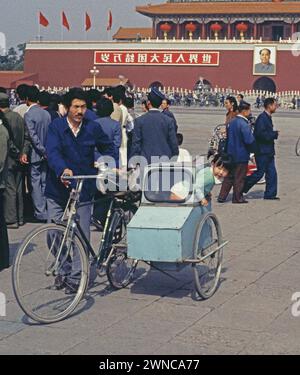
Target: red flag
[88,23]
[65,22]
[43,20]
[110,21]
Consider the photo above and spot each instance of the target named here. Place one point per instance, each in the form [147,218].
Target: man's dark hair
[22,91]
[269,101]
[154,100]
[168,101]
[93,96]
[104,107]
[117,96]
[44,98]
[233,101]
[265,49]
[108,91]
[33,94]
[223,161]
[241,96]
[120,92]
[179,139]
[244,106]
[74,93]
[55,100]
[129,102]
[3,90]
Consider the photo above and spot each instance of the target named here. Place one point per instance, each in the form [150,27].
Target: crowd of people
[243,138]
[47,137]
[202,96]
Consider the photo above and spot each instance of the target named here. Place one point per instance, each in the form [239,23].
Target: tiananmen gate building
[239,44]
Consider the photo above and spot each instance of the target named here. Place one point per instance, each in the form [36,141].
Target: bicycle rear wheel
[44,256]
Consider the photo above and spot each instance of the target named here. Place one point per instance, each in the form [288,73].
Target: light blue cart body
[165,232]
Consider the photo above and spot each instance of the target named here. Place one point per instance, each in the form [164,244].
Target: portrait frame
[257,64]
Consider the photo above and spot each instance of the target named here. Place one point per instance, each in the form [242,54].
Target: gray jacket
[4,147]
[37,121]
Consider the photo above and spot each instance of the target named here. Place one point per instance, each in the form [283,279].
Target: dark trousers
[13,197]
[265,165]
[236,180]
[4,246]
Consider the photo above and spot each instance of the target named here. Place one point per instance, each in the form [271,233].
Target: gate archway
[264,84]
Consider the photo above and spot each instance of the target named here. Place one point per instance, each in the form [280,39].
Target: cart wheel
[297,149]
[207,240]
[120,269]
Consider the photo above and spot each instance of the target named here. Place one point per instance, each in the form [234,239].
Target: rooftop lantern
[166,28]
[242,28]
[216,28]
[191,28]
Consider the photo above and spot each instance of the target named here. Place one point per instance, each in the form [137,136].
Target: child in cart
[206,179]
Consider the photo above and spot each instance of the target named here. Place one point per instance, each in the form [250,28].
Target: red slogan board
[179,58]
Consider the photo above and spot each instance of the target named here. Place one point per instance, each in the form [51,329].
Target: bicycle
[297,148]
[62,250]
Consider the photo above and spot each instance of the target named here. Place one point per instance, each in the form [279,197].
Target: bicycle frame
[102,258]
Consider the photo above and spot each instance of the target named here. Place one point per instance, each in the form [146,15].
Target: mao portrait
[264,60]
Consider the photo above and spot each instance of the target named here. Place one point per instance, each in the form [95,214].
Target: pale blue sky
[19,21]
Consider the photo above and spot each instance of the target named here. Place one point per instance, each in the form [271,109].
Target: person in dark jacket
[13,195]
[166,103]
[4,147]
[110,127]
[70,150]
[154,133]
[265,137]
[45,101]
[240,142]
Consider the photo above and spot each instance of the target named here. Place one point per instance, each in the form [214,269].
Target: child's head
[221,165]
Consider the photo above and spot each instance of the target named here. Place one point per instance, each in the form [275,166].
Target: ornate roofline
[220,8]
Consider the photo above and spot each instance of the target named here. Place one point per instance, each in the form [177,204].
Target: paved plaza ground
[249,314]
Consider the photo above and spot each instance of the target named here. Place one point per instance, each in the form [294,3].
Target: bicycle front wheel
[49,262]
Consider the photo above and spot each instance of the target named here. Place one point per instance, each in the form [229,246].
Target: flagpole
[84,27]
[39,27]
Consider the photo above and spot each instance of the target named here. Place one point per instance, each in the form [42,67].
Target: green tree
[14,60]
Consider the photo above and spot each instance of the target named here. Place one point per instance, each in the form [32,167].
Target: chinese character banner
[210,58]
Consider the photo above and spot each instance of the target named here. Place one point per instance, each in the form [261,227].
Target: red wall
[71,68]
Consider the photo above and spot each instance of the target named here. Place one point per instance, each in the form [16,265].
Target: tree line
[13,59]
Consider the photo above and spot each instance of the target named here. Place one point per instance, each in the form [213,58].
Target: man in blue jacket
[154,133]
[265,137]
[70,150]
[240,142]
